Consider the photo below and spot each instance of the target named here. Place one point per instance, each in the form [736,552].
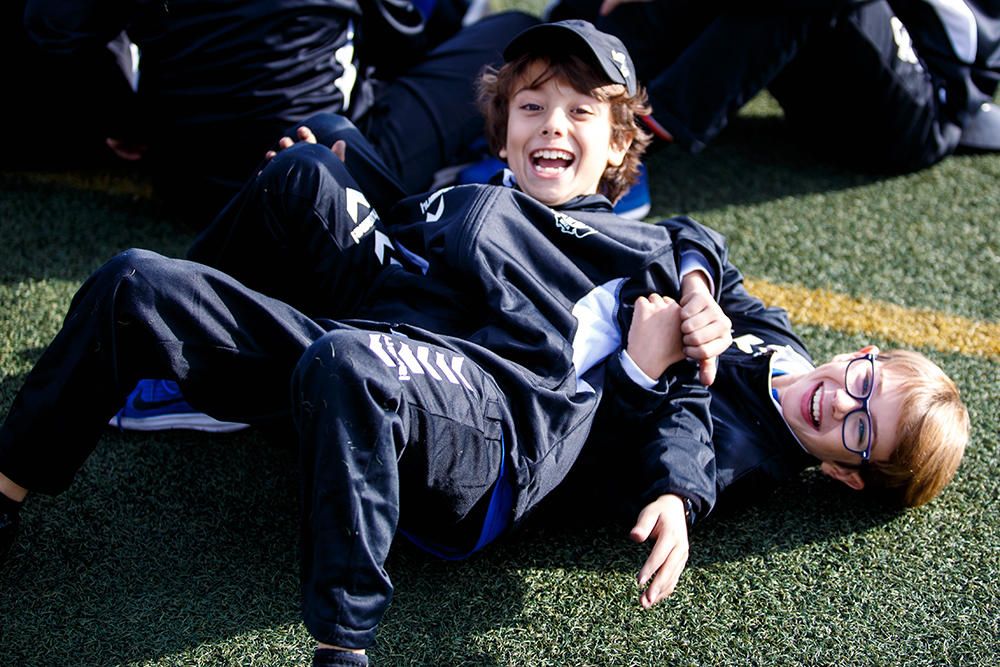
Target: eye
[862,433]
[583,111]
[530,106]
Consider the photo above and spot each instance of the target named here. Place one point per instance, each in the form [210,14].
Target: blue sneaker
[636,202]
[158,405]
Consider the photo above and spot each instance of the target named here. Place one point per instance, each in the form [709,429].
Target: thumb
[707,369]
[339,149]
[643,526]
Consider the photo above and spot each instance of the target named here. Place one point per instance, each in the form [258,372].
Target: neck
[781,381]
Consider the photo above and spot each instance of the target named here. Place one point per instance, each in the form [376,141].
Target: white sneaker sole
[187,422]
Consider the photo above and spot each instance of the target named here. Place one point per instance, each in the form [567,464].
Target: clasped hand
[303,133]
[664,331]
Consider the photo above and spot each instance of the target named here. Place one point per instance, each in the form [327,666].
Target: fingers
[654,302]
[706,330]
[303,133]
[306,135]
[126,150]
[665,581]
[339,149]
[663,518]
[662,548]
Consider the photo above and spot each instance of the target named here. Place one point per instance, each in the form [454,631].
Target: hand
[339,147]
[126,150]
[664,520]
[654,339]
[706,329]
[608,6]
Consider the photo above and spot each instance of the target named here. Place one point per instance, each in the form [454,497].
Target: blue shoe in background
[480,172]
[636,202]
[158,405]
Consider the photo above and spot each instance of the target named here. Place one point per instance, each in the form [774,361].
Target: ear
[844,474]
[502,154]
[617,153]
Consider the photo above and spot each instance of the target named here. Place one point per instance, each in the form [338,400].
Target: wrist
[694,281]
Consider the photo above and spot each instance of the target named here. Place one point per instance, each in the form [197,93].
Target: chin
[547,197]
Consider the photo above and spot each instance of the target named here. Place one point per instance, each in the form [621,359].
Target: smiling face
[815,405]
[558,139]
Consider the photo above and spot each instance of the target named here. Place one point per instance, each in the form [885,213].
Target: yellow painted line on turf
[97,181]
[914,327]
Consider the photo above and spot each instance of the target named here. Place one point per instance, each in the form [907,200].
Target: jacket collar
[599,203]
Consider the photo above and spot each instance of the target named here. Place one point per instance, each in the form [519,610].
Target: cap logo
[619,59]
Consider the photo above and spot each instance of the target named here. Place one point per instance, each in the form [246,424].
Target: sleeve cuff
[635,373]
[693,260]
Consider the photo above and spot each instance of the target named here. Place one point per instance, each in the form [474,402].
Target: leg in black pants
[301,230]
[382,425]
[862,92]
[232,350]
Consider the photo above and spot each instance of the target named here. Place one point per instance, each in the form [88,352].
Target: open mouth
[814,406]
[551,160]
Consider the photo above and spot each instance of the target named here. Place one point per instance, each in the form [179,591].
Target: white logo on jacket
[344,56]
[568,225]
[356,205]
[398,354]
[425,205]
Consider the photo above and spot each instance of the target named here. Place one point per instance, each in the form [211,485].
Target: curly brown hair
[497,87]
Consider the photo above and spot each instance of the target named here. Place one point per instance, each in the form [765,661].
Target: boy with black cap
[451,427]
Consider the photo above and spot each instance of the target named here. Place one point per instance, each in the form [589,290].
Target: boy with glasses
[891,422]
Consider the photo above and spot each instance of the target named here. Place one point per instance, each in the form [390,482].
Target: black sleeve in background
[71,65]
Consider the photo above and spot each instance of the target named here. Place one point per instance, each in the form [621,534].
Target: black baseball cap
[582,39]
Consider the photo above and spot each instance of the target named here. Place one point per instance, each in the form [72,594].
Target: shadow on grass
[52,229]
[755,160]
[177,545]
[810,509]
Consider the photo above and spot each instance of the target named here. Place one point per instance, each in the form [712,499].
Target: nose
[554,123]
[842,404]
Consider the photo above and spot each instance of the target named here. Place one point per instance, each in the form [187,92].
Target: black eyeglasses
[859,381]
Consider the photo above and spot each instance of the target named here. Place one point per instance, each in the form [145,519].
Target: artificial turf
[180,549]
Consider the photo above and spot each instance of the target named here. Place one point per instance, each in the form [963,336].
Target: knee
[332,360]
[130,262]
[344,370]
[300,174]
[114,281]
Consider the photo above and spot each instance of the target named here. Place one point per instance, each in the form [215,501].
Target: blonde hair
[497,87]
[933,431]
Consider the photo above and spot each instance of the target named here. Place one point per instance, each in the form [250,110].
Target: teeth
[552,154]
[814,407]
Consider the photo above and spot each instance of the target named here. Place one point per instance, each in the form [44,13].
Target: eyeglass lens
[858,425]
